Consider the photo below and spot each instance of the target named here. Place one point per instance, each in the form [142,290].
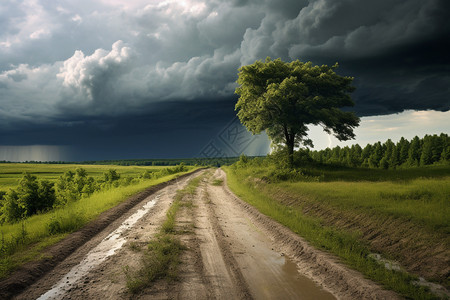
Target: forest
[431,149]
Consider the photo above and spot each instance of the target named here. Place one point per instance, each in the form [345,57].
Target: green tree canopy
[283,98]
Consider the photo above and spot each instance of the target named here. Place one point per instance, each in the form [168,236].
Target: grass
[10,173]
[425,202]
[418,195]
[23,242]
[162,257]
[332,173]
[408,196]
[217,182]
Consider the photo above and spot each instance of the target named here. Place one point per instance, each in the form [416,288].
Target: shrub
[146,175]
[111,175]
[46,195]
[302,157]
[11,211]
[30,197]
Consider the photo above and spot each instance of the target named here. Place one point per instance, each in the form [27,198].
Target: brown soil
[233,252]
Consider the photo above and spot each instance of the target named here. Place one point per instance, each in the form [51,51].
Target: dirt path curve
[233,252]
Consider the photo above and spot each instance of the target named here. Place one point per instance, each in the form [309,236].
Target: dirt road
[233,252]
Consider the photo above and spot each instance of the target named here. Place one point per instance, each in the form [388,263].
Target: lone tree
[283,98]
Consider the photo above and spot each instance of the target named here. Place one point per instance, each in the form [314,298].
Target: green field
[10,173]
[353,213]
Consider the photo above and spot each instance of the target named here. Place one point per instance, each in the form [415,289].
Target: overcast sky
[111,79]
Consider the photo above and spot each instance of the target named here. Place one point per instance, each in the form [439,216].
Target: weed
[135,247]
[186,229]
[188,203]
[160,261]
[217,182]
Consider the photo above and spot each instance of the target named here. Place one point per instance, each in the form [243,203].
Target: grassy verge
[424,202]
[23,242]
[162,257]
[349,245]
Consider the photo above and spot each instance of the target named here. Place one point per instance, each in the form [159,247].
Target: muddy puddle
[272,275]
[298,286]
[107,247]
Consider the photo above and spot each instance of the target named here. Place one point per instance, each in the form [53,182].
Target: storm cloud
[69,65]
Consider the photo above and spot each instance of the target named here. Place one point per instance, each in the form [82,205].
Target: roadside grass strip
[162,256]
[24,241]
[349,246]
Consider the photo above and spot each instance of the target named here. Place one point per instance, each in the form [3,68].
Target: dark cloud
[84,68]
[413,76]
[391,47]
[167,132]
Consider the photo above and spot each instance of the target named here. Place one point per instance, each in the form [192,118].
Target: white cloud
[83,73]
[77,18]
[38,34]
[32,22]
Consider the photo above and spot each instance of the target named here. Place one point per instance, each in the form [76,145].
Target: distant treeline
[148,162]
[166,162]
[430,149]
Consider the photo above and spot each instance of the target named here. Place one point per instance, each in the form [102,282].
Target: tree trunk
[290,140]
[291,154]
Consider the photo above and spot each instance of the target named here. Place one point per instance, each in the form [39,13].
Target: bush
[11,211]
[46,195]
[65,189]
[111,175]
[164,172]
[291,175]
[30,197]
[280,158]
[146,175]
